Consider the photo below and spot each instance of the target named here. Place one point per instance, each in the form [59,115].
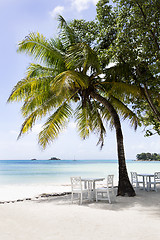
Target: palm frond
[36,108]
[67,35]
[105,116]
[40,48]
[69,80]
[126,89]
[37,70]
[118,72]
[119,89]
[125,112]
[29,123]
[55,124]
[98,119]
[89,120]
[84,124]
[27,88]
[45,101]
[81,56]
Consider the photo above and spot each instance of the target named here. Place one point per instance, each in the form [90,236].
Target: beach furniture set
[149,181]
[85,188]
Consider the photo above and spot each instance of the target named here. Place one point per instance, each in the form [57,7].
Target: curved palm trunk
[124,185]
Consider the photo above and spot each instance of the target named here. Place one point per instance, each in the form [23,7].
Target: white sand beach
[22,191]
[55,218]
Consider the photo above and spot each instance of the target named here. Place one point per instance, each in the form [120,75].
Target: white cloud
[57,10]
[81,5]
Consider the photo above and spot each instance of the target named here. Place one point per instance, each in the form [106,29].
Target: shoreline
[10,193]
[43,195]
[21,192]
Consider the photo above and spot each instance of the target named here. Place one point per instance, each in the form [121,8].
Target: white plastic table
[91,184]
[146,180]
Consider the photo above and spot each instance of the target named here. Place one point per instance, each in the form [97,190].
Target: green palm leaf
[97,119]
[118,72]
[67,80]
[81,56]
[120,89]
[36,45]
[89,119]
[29,122]
[55,124]
[125,112]
[36,70]
[67,35]
[84,124]
[35,109]
[45,101]
[27,88]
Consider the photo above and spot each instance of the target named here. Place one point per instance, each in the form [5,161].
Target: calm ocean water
[52,172]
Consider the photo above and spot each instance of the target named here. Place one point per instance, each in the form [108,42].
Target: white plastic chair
[103,193]
[135,181]
[155,182]
[76,188]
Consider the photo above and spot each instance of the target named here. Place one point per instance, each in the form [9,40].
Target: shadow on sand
[148,202]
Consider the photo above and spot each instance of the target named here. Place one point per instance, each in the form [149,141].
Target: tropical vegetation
[148,156]
[138,46]
[129,35]
[70,81]
[72,77]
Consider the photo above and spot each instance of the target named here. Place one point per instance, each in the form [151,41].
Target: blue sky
[17,19]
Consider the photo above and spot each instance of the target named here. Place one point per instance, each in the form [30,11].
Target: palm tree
[71,73]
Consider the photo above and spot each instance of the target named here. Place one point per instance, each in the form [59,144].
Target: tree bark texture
[124,185]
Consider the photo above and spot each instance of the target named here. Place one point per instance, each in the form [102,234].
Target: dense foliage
[128,35]
[148,156]
[138,45]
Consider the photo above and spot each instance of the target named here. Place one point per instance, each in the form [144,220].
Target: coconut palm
[70,83]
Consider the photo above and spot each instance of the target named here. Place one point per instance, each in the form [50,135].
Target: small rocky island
[54,158]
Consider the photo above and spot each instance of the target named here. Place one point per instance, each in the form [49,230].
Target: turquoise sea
[20,179]
[52,172]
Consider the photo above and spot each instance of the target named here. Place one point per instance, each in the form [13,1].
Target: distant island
[54,158]
[148,157]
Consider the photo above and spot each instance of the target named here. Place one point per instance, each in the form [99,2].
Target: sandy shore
[55,218]
[22,191]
